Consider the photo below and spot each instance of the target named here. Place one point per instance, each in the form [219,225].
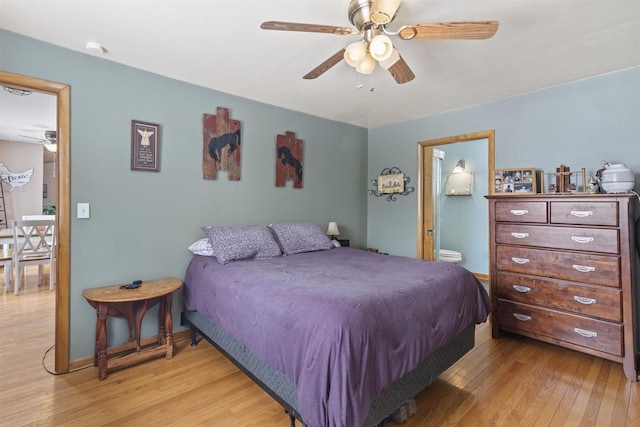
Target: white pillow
[201,247]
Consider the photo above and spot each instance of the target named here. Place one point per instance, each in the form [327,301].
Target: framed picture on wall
[145,146]
[514,181]
[392,183]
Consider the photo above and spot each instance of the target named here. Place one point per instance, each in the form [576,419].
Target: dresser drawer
[602,302]
[583,239]
[585,213]
[584,268]
[592,333]
[513,211]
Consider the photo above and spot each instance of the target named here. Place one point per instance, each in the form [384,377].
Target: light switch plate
[83,211]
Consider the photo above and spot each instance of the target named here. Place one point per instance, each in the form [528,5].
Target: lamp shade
[393,57]
[367,65]
[380,47]
[51,147]
[332,230]
[355,53]
[383,11]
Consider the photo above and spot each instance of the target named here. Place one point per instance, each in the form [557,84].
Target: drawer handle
[584,300]
[583,268]
[519,212]
[523,289]
[520,235]
[585,333]
[520,260]
[581,214]
[522,317]
[582,239]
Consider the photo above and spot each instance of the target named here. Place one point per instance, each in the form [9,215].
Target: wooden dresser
[563,270]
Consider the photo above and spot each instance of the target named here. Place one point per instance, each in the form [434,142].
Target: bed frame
[284,391]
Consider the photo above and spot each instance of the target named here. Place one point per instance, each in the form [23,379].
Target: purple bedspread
[342,324]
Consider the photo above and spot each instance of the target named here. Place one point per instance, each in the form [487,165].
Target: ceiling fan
[371,18]
[49,140]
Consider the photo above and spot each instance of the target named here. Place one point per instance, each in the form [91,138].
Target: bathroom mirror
[454,223]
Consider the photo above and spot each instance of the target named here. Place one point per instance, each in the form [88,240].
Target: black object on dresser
[564,270]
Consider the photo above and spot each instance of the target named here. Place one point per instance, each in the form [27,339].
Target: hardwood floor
[512,381]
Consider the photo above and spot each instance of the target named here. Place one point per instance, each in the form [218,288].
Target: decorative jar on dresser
[564,270]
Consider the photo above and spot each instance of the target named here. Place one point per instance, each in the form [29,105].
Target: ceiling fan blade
[477,30]
[309,28]
[401,72]
[33,137]
[322,68]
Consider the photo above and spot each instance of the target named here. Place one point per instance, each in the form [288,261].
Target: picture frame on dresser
[514,181]
[565,182]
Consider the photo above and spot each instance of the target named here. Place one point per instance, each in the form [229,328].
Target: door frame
[63,206]
[425,172]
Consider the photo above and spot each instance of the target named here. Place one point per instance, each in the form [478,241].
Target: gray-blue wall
[578,124]
[142,222]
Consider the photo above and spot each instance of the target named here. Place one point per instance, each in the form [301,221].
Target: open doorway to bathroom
[436,209]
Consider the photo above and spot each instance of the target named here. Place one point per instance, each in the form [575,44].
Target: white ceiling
[219,44]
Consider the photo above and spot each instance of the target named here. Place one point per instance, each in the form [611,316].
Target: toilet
[446,255]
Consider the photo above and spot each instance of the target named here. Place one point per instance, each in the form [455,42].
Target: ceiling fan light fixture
[17,91]
[380,47]
[355,53]
[393,57]
[383,11]
[51,147]
[367,65]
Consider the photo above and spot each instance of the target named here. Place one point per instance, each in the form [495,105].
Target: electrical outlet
[83,211]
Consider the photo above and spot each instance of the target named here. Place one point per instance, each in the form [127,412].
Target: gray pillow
[301,237]
[236,243]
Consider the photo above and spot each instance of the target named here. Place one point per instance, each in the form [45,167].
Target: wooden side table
[132,304]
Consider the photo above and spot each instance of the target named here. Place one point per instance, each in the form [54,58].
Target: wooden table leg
[101,342]
[141,309]
[168,325]
[162,339]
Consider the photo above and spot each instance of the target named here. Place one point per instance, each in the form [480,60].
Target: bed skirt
[284,391]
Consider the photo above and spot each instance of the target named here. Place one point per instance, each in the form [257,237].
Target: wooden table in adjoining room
[132,304]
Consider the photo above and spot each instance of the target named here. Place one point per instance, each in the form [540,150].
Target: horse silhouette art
[285,156]
[217,143]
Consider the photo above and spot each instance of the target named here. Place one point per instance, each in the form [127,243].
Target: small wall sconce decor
[391,182]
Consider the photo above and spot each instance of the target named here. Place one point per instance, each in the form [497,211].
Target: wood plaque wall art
[288,160]
[221,145]
[145,146]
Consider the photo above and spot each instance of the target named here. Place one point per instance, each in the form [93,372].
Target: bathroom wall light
[459,166]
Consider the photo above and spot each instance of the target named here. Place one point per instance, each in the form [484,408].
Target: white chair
[6,259]
[33,244]
[50,217]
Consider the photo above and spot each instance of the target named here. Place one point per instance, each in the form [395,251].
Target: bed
[338,336]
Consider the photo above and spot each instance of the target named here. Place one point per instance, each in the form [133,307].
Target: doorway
[62,171]
[428,193]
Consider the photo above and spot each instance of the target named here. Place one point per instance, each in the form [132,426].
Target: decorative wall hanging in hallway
[288,160]
[15,179]
[221,145]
